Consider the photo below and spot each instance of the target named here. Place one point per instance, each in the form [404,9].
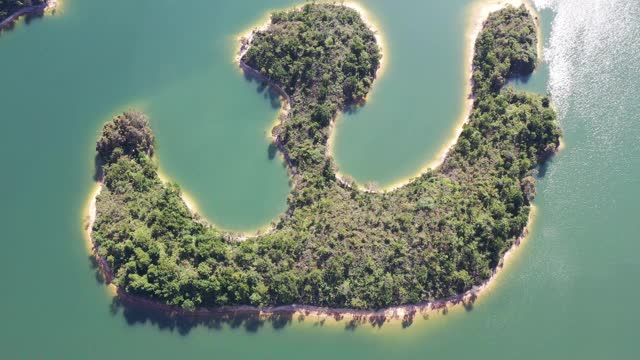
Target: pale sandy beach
[477,14]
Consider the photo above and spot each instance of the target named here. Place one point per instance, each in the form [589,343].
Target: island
[440,236]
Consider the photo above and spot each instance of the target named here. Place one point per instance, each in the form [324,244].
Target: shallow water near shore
[569,291]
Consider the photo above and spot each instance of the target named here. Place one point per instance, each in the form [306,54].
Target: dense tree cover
[127,134]
[325,58]
[8,7]
[337,246]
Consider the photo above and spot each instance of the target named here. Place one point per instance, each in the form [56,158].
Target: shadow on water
[249,321]
[27,18]
[353,109]
[519,80]
[544,166]
[141,311]
[99,275]
[468,305]
[272,150]
[263,88]
[98,164]
[274,99]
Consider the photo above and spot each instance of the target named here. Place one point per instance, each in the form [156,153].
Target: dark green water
[569,293]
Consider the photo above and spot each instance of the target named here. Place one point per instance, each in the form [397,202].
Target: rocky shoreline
[49,5]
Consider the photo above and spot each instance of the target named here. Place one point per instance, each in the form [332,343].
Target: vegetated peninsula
[336,246]
[10,10]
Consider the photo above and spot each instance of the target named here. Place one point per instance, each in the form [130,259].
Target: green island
[336,246]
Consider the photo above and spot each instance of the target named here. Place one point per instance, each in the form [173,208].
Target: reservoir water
[570,291]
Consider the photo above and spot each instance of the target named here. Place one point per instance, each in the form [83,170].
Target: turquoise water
[411,112]
[569,292]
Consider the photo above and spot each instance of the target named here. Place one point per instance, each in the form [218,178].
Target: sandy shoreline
[245,43]
[403,313]
[478,13]
[368,20]
[245,40]
[192,205]
[100,262]
[345,179]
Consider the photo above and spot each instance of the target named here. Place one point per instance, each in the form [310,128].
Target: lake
[569,292]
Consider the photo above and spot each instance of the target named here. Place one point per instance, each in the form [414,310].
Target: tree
[129,132]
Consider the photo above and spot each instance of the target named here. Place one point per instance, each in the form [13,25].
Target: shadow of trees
[98,164]
[263,88]
[140,311]
[137,311]
[520,79]
[272,150]
[33,14]
[253,320]
[182,324]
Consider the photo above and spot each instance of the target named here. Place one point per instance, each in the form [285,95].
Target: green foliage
[336,246]
[506,47]
[127,134]
[325,58]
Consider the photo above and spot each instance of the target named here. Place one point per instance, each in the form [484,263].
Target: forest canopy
[336,246]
